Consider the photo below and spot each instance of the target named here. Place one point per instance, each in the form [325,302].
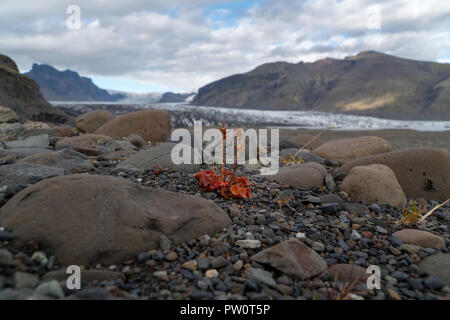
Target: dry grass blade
[432,210]
[314,138]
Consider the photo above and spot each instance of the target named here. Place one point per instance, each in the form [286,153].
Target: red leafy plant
[224,181]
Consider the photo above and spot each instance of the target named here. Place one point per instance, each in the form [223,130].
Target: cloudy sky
[181,45]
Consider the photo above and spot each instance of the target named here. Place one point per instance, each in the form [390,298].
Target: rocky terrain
[370,84]
[21,94]
[106,196]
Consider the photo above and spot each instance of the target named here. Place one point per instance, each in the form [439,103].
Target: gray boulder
[159,156]
[88,219]
[26,173]
[40,141]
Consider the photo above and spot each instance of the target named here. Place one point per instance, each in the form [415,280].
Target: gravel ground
[217,268]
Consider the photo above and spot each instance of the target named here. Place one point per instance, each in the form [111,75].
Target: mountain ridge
[370,84]
[21,94]
[68,85]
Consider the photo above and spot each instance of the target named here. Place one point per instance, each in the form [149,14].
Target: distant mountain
[174,97]
[22,94]
[370,83]
[68,85]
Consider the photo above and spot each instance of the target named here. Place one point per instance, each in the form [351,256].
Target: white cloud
[174,44]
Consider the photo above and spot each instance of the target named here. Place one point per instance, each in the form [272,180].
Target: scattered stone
[261,276]
[190,265]
[6,236]
[151,125]
[15,294]
[234,211]
[434,283]
[329,182]
[331,208]
[162,274]
[51,289]
[164,243]
[374,183]
[91,121]
[410,248]
[136,140]
[381,229]
[212,273]
[293,258]
[6,258]
[355,235]
[437,265]
[171,256]
[420,238]
[88,144]
[202,263]
[40,142]
[218,262]
[305,175]
[347,273]
[25,280]
[39,257]
[394,294]
[318,246]
[344,150]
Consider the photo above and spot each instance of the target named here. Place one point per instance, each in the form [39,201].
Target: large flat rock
[89,219]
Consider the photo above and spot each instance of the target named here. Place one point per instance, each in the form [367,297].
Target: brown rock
[136,140]
[70,160]
[304,175]
[374,183]
[437,265]
[344,150]
[293,258]
[86,219]
[7,115]
[347,273]
[420,238]
[89,144]
[422,173]
[151,125]
[91,121]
